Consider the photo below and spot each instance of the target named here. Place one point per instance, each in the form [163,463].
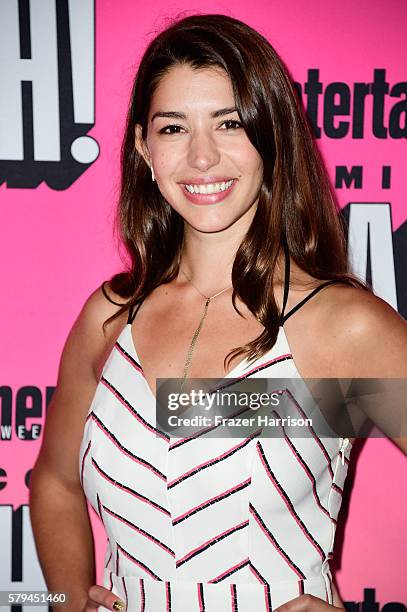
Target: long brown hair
[296,201]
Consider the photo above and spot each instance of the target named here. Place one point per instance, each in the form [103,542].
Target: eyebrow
[176,115]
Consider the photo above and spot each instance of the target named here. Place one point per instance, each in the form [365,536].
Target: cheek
[247,159]
[164,164]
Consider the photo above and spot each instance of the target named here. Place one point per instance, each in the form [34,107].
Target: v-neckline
[227,376]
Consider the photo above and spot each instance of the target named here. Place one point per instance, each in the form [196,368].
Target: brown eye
[232,124]
[170,127]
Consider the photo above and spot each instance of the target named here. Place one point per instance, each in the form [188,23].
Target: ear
[141,145]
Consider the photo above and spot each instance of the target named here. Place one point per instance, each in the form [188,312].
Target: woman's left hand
[308,603]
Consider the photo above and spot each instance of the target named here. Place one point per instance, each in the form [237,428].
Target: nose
[203,152]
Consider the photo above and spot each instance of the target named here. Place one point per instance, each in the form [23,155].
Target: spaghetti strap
[132,314]
[298,306]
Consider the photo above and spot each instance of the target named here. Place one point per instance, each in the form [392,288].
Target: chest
[163,341]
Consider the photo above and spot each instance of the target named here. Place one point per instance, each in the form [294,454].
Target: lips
[208,198]
[204,180]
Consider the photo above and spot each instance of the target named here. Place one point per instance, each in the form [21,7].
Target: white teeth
[209,188]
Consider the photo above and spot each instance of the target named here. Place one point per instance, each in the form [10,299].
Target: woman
[229,221]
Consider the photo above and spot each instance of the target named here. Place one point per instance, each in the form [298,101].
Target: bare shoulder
[88,330]
[85,351]
[369,335]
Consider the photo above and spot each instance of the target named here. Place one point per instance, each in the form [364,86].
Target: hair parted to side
[296,201]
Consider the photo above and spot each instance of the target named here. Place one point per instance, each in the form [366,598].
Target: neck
[207,257]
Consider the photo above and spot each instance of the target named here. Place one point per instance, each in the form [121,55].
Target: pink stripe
[83,461]
[306,470]
[266,363]
[127,453]
[214,459]
[317,440]
[134,413]
[229,570]
[200,602]
[267,598]
[167,597]
[287,560]
[212,540]
[110,556]
[143,567]
[136,367]
[142,599]
[277,488]
[256,573]
[212,499]
[205,429]
[195,435]
[232,597]
[146,535]
[133,493]
[125,591]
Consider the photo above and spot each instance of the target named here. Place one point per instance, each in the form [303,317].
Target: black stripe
[210,503]
[306,468]
[128,489]
[130,357]
[143,531]
[201,593]
[289,502]
[275,541]
[146,423]
[268,595]
[258,573]
[99,507]
[218,539]
[125,591]
[83,460]
[234,595]
[148,570]
[126,450]
[322,447]
[107,562]
[235,381]
[143,595]
[208,429]
[210,463]
[230,572]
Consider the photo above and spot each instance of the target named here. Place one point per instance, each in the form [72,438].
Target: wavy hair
[296,201]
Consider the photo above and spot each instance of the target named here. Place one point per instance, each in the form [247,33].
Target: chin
[208,225]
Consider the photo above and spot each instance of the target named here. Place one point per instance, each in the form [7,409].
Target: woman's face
[200,146]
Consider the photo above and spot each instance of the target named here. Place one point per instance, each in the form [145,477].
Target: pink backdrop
[57,243]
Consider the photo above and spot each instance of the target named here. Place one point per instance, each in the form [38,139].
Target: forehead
[183,87]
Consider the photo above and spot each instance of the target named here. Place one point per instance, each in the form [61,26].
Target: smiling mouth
[209,188]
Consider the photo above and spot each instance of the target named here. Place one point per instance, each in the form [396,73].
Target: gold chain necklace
[198,329]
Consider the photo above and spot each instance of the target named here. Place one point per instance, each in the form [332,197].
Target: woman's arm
[370,340]
[58,508]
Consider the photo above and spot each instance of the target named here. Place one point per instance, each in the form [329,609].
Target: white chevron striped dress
[207,524]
